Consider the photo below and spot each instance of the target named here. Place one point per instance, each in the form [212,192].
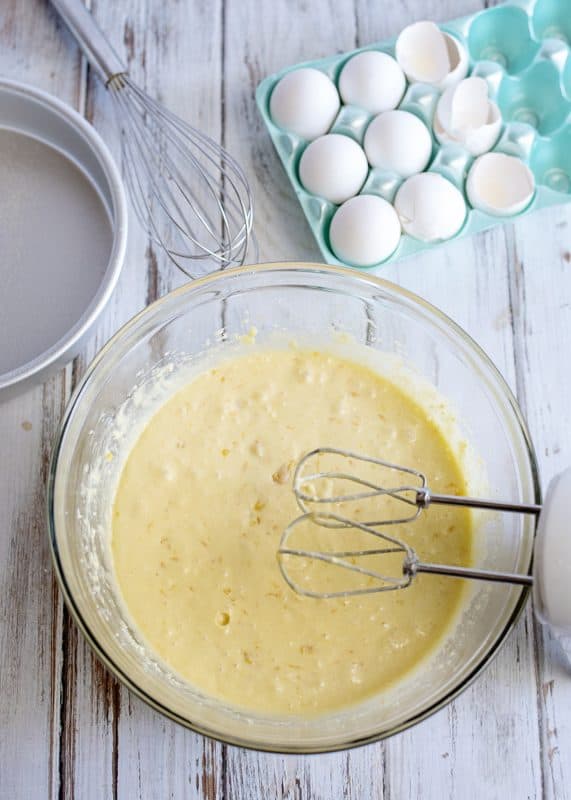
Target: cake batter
[204,497]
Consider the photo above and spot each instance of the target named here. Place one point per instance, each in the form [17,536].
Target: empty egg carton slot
[393,152]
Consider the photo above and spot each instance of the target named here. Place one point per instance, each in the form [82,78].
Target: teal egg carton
[523,51]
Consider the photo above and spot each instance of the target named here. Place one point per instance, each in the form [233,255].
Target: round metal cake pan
[42,117]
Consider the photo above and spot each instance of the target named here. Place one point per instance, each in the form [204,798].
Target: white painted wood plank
[177,58]
[260,41]
[31,50]
[541,288]
[85,738]
[459,751]
[354,775]
[159,759]
[256,46]
[30,608]
[116,742]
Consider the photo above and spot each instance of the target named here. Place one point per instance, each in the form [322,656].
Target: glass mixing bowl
[306,301]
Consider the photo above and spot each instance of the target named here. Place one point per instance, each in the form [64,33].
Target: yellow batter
[204,497]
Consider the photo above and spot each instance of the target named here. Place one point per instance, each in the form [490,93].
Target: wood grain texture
[31,608]
[67,728]
[542,327]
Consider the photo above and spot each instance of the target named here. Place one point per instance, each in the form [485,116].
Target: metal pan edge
[49,111]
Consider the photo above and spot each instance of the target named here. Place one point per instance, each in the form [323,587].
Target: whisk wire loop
[153,149]
[203,220]
[189,194]
[231,173]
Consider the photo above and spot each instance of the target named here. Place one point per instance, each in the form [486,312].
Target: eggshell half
[469,104]
[422,53]
[465,115]
[500,185]
[459,62]
[429,55]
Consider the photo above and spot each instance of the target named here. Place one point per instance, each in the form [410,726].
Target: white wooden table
[67,729]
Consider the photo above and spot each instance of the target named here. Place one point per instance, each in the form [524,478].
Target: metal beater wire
[410,565]
[401,493]
[339,558]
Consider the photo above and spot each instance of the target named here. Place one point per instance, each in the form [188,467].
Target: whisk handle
[474,574]
[90,38]
[425,497]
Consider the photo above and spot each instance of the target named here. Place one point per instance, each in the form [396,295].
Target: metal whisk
[188,193]
[409,491]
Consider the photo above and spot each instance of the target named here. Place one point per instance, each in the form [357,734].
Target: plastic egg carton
[522,50]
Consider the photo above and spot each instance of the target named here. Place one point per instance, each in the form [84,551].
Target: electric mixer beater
[552,553]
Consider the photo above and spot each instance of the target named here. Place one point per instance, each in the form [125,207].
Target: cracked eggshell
[430,207]
[459,62]
[468,104]
[428,55]
[372,80]
[481,140]
[466,116]
[500,185]
[398,141]
[305,102]
[364,231]
[334,167]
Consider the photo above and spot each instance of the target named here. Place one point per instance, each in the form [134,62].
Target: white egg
[428,55]
[500,185]
[430,207]
[334,167]
[465,115]
[373,81]
[398,141]
[305,102]
[364,231]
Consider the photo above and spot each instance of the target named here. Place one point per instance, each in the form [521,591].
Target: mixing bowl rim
[117,671]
